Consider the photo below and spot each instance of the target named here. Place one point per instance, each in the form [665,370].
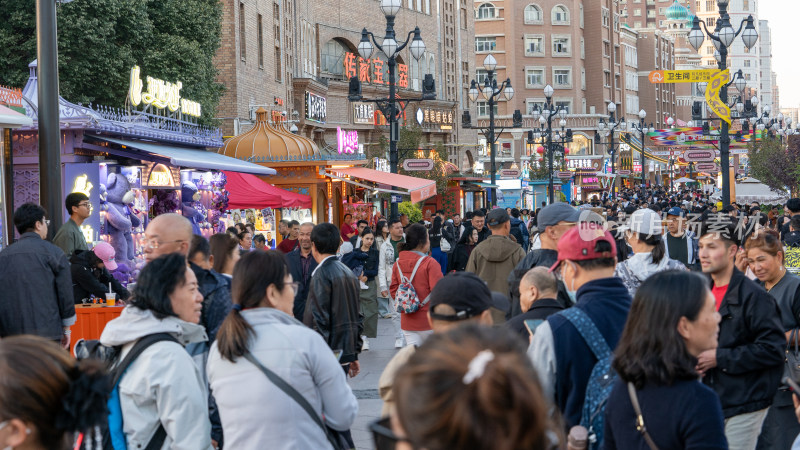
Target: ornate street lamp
[545,132]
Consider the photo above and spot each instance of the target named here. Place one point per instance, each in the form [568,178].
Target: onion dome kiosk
[301,168]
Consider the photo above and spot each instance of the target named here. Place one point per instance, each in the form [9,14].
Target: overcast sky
[782,16]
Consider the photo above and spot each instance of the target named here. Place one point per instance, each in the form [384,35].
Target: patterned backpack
[407,300]
[601,380]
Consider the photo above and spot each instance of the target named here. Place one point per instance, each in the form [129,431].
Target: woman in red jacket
[415,326]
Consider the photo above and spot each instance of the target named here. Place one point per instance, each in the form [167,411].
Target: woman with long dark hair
[423,272]
[672,320]
[381,236]
[644,233]
[163,387]
[226,252]
[436,235]
[464,247]
[255,412]
[367,255]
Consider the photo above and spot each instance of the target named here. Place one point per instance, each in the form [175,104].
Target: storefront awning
[418,188]
[248,191]
[192,158]
[12,119]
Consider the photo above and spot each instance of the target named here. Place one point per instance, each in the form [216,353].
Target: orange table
[92,319]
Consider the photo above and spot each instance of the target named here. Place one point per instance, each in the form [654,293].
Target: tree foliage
[100,40]
[775,164]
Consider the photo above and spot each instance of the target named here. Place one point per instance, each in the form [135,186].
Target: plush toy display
[120,221]
[190,195]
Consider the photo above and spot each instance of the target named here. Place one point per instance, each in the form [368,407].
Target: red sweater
[287,245]
[428,274]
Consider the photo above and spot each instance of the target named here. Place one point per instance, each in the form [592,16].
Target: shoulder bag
[793,355]
[639,418]
[332,435]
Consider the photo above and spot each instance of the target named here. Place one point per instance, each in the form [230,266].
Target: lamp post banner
[712,95]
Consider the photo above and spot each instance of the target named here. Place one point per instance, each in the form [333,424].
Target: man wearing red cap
[563,359]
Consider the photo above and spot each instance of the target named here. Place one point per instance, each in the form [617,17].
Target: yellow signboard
[160,94]
[682,76]
[716,105]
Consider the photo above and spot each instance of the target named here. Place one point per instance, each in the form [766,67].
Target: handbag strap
[293,394]
[639,418]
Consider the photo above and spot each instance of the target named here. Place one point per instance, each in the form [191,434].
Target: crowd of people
[651,320]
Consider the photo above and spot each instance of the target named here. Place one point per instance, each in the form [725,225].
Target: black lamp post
[642,128]
[392,107]
[723,38]
[607,129]
[545,131]
[491,93]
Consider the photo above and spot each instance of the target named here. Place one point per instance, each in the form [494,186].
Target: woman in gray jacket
[255,412]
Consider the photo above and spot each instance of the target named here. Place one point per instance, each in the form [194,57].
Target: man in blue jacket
[562,358]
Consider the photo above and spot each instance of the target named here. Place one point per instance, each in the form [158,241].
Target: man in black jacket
[301,265]
[35,281]
[332,308]
[478,222]
[745,369]
[538,290]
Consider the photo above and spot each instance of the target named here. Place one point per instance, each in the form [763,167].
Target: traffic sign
[418,165]
[510,173]
[397,198]
[681,76]
[699,155]
[624,172]
[706,167]
[565,174]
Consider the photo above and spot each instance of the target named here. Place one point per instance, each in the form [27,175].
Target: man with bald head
[167,233]
[537,298]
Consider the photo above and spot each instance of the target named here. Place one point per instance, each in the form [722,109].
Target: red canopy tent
[248,191]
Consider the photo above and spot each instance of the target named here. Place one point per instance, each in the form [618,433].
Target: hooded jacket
[261,415]
[494,259]
[163,384]
[634,270]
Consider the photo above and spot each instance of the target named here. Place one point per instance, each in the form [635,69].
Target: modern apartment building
[294,58]
[649,13]
[656,51]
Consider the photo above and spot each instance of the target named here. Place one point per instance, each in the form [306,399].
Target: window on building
[607,79]
[533,14]
[637,24]
[747,63]
[637,13]
[564,104]
[260,43]
[711,21]
[278,65]
[561,46]
[485,11]
[485,44]
[606,48]
[583,48]
[583,79]
[581,15]
[481,75]
[534,77]
[746,5]
[651,13]
[711,5]
[560,15]
[332,57]
[562,77]
[530,105]
[605,14]
[483,108]
[463,17]
[242,46]
[534,45]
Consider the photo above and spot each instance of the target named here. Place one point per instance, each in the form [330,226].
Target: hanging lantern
[566,151]
[540,150]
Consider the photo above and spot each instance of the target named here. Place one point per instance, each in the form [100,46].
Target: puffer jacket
[262,416]
[332,308]
[494,259]
[163,384]
[634,270]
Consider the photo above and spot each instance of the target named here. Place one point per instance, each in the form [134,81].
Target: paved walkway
[365,385]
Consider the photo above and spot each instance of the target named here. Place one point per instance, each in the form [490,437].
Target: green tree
[100,40]
[776,165]
[412,210]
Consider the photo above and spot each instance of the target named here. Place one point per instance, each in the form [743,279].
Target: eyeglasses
[295,286]
[47,222]
[154,243]
[384,437]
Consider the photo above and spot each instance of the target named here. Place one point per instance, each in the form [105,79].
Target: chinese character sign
[712,95]
[347,140]
[316,108]
[373,70]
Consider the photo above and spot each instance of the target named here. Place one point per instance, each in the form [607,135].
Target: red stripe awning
[248,191]
[419,188]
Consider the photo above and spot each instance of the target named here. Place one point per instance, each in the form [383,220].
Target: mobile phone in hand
[792,384]
[531,325]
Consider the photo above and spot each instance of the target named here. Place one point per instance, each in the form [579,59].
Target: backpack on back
[113,435]
[407,300]
[516,231]
[601,380]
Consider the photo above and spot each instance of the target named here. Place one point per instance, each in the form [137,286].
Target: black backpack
[112,430]
[516,231]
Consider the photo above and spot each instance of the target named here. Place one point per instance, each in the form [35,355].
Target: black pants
[780,426]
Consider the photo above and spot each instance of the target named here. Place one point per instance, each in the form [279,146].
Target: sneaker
[398,343]
[365,345]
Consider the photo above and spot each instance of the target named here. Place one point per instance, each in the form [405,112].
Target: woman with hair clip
[644,234]
[47,399]
[162,393]
[472,387]
[765,260]
[423,272]
[260,334]
[672,320]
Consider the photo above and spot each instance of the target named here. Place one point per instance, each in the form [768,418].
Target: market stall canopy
[265,141]
[191,158]
[12,119]
[684,180]
[418,188]
[248,191]
[751,190]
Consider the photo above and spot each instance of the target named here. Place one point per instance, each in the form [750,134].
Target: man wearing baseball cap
[91,276]
[457,299]
[586,262]
[680,242]
[553,221]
